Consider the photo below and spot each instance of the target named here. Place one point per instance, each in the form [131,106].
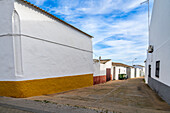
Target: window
[149,73]
[157,68]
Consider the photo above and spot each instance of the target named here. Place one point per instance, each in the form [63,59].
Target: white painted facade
[104,66]
[138,72]
[159,38]
[132,72]
[96,67]
[43,47]
[141,68]
[118,70]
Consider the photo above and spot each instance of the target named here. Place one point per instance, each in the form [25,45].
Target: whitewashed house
[118,68]
[102,70]
[158,63]
[130,71]
[41,54]
[141,69]
[138,72]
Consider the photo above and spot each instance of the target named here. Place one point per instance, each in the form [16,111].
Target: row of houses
[106,70]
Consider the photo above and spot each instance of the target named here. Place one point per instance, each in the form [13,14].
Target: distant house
[102,70]
[158,63]
[130,71]
[140,70]
[118,68]
[41,54]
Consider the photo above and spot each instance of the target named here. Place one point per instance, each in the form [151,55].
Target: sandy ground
[127,96]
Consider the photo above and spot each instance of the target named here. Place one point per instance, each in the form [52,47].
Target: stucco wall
[160,39]
[103,67]
[137,72]
[132,72]
[7,71]
[42,56]
[122,71]
[96,67]
[6,42]
[6,11]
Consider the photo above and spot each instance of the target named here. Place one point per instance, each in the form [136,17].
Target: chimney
[100,58]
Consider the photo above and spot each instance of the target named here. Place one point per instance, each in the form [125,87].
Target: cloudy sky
[119,27]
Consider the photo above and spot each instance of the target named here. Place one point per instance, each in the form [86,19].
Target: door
[149,73]
[135,72]
[108,74]
[114,73]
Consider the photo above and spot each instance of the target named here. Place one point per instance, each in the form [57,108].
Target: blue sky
[119,27]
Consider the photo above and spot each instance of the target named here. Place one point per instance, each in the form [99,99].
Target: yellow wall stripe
[22,89]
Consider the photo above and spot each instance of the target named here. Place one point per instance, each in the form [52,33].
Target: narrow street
[127,96]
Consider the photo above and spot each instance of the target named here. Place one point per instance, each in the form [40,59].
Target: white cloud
[111,22]
[38,2]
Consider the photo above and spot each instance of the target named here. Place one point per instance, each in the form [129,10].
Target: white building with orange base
[41,54]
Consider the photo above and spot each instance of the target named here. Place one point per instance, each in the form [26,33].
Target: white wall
[6,12]
[7,71]
[96,67]
[142,69]
[132,72]
[103,67]
[138,71]
[41,56]
[160,39]
[122,71]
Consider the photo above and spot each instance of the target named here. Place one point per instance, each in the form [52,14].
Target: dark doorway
[114,73]
[108,74]
[149,73]
[135,72]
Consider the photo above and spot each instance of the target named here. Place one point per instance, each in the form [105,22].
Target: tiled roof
[55,17]
[120,64]
[103,61]
[95,60]
[139,65]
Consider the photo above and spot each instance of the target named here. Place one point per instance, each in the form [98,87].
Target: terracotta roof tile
[120,64]
[103,61]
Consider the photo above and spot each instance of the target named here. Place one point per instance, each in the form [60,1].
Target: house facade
[41,54]
[118,68]
[130,71]
[141,70]
[158,63]
[102,70]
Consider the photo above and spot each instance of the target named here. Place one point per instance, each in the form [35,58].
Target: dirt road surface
[127,96]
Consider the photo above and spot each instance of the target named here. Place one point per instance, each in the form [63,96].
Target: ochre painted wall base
[22,89]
